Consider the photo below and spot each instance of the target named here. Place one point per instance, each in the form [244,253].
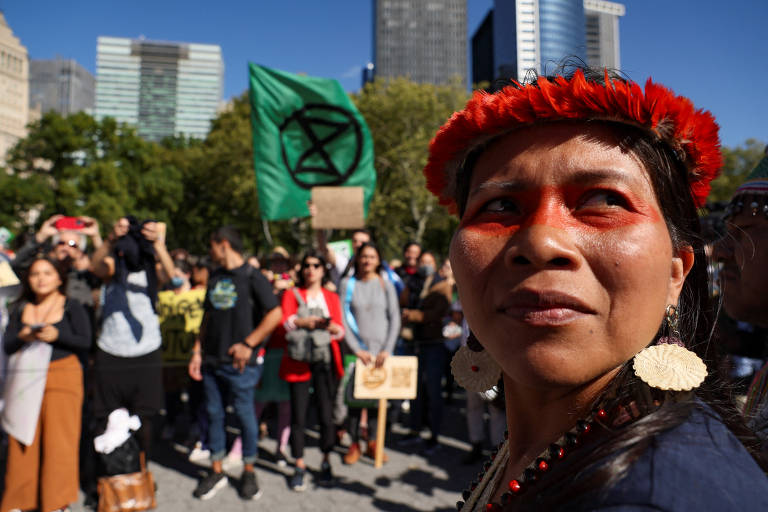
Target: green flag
[306,133]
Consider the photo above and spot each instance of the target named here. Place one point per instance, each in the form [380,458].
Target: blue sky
[715,52]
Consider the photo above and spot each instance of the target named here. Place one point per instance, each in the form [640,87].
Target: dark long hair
[607,462]
[27,295]
[359,253]
[312,253]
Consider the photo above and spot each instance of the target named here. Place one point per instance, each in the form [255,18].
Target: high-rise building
[61,85]
[164,89]
[425,40]
[602,29]
[482,51]
[14,89]
[541,35]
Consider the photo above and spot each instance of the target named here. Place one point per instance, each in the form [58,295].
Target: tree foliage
[403,117]
[737,163]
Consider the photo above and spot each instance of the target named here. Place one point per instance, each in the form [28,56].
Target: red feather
[670,117]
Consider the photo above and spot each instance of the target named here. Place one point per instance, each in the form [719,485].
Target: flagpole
[267,234]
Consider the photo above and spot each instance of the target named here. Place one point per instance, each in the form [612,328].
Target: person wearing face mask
[180,311]
[428,308]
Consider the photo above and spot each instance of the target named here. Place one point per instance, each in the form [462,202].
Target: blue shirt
[697,466]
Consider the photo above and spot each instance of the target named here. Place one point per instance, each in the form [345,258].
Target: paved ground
[409,481]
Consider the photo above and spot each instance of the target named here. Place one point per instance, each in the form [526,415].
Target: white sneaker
[198,454]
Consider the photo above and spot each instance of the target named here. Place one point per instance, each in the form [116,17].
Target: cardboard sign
[7,275]
[338,207]
[396,379]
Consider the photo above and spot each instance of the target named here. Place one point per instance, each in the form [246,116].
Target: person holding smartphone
[43,475]
[319,376]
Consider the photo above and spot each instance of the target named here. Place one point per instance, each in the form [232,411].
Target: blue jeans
[217,383]
[432,359]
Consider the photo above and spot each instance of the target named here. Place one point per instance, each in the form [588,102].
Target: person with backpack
[313,325]
[240,313]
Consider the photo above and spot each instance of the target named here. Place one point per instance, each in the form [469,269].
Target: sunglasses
[313,265]
[70,243]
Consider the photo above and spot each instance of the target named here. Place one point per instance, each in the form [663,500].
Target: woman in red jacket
[325,313]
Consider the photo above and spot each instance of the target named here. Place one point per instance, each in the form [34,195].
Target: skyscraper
[421,39]
[539,34]
[14,89]
[602,28]
[61,85]
[164,89]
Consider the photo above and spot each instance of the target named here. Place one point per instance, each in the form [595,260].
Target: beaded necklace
[488,480]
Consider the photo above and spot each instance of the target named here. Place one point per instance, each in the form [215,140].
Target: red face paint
[567,207]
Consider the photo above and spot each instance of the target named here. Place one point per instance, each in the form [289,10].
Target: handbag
[129,492]
[304,345]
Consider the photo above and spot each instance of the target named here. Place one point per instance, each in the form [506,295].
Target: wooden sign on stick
[338,207]
[396,379]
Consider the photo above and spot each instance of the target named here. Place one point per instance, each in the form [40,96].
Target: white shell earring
[668,365]
[473,367]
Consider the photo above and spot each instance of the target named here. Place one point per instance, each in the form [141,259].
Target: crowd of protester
[178,340]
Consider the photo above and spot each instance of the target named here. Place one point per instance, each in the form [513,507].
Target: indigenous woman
[324,313]
[42,470]
[371,325]
[579,266]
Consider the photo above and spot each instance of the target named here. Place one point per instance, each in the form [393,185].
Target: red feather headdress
[691,133]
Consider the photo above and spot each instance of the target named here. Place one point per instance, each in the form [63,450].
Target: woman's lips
[544,307]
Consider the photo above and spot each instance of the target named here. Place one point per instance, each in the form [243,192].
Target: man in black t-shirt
[240,314]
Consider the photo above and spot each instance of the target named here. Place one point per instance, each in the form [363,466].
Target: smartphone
[36,327]
[69,224]
[323,323]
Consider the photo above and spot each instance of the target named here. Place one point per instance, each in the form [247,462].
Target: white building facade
[164,89]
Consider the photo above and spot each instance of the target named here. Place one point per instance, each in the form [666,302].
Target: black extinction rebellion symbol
[334,123]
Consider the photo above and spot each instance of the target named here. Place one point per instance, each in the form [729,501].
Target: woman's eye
[500,206]
[602,198]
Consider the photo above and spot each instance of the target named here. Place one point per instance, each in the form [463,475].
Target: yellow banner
[180,315]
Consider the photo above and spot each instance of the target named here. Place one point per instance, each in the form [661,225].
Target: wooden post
[381,433]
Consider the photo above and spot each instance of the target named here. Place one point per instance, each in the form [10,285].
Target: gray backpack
[308,346]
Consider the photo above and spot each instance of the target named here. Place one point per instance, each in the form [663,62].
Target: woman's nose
[543,246]
[723,249]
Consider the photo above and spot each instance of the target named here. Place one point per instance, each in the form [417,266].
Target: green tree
[737,163]
[79,166]
[219,188]
[403,116]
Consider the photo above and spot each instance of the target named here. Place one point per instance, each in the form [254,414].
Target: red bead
[587,428]
[514,486]
[475,368]
[561,453]
[602,414]
[543,466]
[492,507]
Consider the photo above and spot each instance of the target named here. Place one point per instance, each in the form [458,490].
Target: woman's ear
[682,262]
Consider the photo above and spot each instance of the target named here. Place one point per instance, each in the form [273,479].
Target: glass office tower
[164,89]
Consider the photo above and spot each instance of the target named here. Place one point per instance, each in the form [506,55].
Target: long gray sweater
[376,312]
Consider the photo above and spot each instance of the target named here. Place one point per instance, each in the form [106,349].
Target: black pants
[323,384]
[135,383]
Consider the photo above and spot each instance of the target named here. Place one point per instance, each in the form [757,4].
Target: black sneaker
[249,486]
[210,485]
[429,447]
[326,477]
[297,482]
